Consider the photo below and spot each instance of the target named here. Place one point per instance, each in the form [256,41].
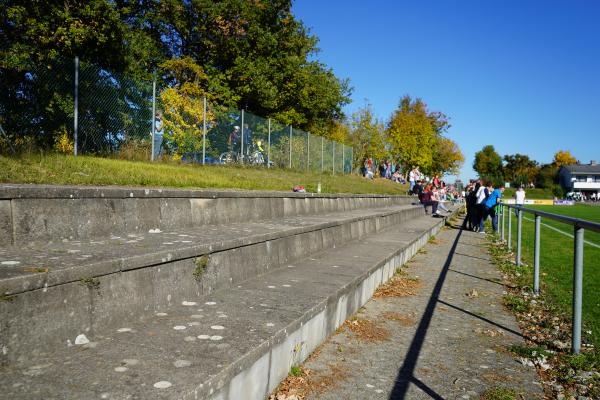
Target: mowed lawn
[556,260]
[58,169]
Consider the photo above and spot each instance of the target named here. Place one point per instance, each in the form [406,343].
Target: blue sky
[523,76]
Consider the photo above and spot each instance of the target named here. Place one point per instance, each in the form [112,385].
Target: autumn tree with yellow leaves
[415,138]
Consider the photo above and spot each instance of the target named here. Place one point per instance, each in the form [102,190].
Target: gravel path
[447,340]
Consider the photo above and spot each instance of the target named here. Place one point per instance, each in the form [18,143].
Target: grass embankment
[83,170]
[556,261]
[509,193]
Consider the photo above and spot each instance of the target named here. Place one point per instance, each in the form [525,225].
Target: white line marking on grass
[563,232]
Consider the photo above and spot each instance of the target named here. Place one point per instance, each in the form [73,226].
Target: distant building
[582,178]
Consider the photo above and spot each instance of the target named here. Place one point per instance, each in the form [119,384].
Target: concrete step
[45,213]
[237,342]
[54,292]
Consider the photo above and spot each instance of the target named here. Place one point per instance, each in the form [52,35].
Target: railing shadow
[406,373]
[477,277]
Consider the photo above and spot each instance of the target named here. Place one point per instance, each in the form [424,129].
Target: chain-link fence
[80,108]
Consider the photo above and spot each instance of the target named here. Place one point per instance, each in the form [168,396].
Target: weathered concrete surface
[235,343]
[53,213]
[452,341]
[60,290]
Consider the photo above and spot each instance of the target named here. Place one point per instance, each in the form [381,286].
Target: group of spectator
[434,194]
[482,201]
[386,170]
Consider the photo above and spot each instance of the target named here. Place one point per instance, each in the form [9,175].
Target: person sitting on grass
[426,199]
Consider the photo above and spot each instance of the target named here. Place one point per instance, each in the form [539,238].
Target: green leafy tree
[447,157]
[255,55]
[367,136]
[488,164]
[519,169]
[412,133]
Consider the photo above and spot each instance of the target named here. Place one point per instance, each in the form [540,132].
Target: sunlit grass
[84,170]
[556,261]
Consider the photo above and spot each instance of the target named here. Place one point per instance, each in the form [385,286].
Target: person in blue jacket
[490,207]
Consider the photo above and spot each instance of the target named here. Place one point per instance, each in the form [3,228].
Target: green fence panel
[115,114]
[36,106]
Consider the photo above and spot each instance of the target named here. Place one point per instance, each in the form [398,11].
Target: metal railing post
[519,236]
[204,133]
[333,152]
[269,146]
[509,242]
[502,212]
[290,147]
[322,154]
[76,107]
[308,151]
[577,288]
[536,256]
[153,119]
[242,139]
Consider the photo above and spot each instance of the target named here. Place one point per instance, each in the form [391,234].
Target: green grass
[498,393]
[509,193]
[84,170]
[556,262]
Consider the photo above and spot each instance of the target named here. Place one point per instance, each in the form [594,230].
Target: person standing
[490,207]
[158,134]
[520,197]
[413,176]
[481,196]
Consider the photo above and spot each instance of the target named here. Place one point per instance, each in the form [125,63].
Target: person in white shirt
[519,197]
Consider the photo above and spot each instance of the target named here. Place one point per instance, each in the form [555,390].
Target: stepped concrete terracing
[177,298]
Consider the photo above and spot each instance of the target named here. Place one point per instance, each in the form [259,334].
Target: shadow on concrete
[470,256]
[477,277]
[406,373]
[489,321]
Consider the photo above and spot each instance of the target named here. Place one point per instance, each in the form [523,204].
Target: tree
[411,134]
[547,176]
[255,55]
[519,169]
[563,157]
[488,164]
[447,157]
[367,136]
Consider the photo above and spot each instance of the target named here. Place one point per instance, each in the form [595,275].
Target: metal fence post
[153,119]
[509,242]
[322,154]
[577,288]
[290,147]
[269,146]
[519,235]
[308,151]
[536,256]
[333,152]
[204,133]
[242,139]
[76,107]
[343,159]
[502,212]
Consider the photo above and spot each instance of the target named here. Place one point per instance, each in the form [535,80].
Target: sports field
[556,261]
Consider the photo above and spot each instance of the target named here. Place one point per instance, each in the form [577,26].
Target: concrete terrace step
[51,213]
[53,292]
[234,343]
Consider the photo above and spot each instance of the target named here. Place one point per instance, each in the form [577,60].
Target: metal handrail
[579,226]
[592,226]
